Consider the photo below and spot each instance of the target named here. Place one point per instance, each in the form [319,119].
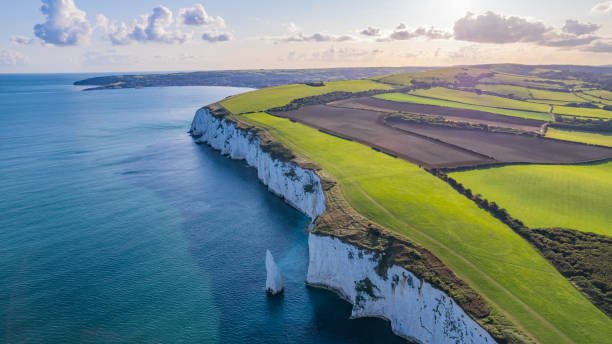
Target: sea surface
[115,227]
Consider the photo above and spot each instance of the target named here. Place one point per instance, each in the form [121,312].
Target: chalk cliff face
[299,187]
[274,280]
[415,309]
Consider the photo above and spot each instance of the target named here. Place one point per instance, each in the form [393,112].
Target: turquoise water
[115,227]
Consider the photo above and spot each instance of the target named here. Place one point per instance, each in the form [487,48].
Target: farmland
[389,153]
[507,147]
[575,197]
[367,127]
[480,99]
[487,254]
[595,138]
[282,95]
[410,98]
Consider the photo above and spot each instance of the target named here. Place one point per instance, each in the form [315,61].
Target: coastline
[284,174]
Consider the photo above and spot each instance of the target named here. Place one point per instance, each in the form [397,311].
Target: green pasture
[591,137]
[506,90]
[282,95]
[402,97]
[493,259]
[568,196]
[480,99]
[568,110]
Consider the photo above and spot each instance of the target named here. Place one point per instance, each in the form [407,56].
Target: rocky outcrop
[416,309]
[274,280]
[297,186]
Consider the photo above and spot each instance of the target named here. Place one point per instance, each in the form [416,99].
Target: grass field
[601,94]
[595,138]
[576,197]
[402,97]
[436,75]
[553,95]
[591,98]
[494,260]
[282,95]
[526,81]
[517,91]
[568,110]
[480,99]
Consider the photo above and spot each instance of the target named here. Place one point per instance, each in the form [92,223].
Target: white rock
[416,309]
[274,280]
[299,187]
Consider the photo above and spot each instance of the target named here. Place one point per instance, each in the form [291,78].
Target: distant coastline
[256,78]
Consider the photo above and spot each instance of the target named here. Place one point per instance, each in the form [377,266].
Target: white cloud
[22,40]
[315,37]
[65,25]
[12,58]
[215,36]
[577,28]
[402,34]
[197,16]
[603,7]
[148,28]
[370,31]
[599,47]
[495,28]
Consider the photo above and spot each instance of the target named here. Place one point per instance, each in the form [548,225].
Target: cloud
[215,36]
[109,57]
[22,40]
[564,40]
[370,31]
[603,7]
[576,28]
[336,55]
[65,25]
[495,28]
[599,47]
[316,37]
[197,16]
[402,34]
[13,58]
[148,28]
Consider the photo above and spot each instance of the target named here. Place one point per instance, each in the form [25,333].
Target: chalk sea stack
[274,280]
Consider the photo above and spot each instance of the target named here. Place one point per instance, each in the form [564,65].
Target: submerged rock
[274,280]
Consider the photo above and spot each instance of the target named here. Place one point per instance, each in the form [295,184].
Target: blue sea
[115,227]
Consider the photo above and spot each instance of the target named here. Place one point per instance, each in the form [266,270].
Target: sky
[58,36]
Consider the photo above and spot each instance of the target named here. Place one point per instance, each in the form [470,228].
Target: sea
[115,227]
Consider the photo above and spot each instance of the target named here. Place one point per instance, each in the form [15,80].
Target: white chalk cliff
[274,280]
[416,309]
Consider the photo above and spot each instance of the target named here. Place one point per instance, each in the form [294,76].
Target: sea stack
[274,280]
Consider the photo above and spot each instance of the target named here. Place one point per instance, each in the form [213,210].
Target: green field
[282,95]
[436,75]
[601,94]
[480,99]
[576,197]
[493,259]
[594,138]
[402,97]
[527,81]
[553,95]
[506,90]
[568,110]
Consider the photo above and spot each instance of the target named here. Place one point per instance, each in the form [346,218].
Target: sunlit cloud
[65,24]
